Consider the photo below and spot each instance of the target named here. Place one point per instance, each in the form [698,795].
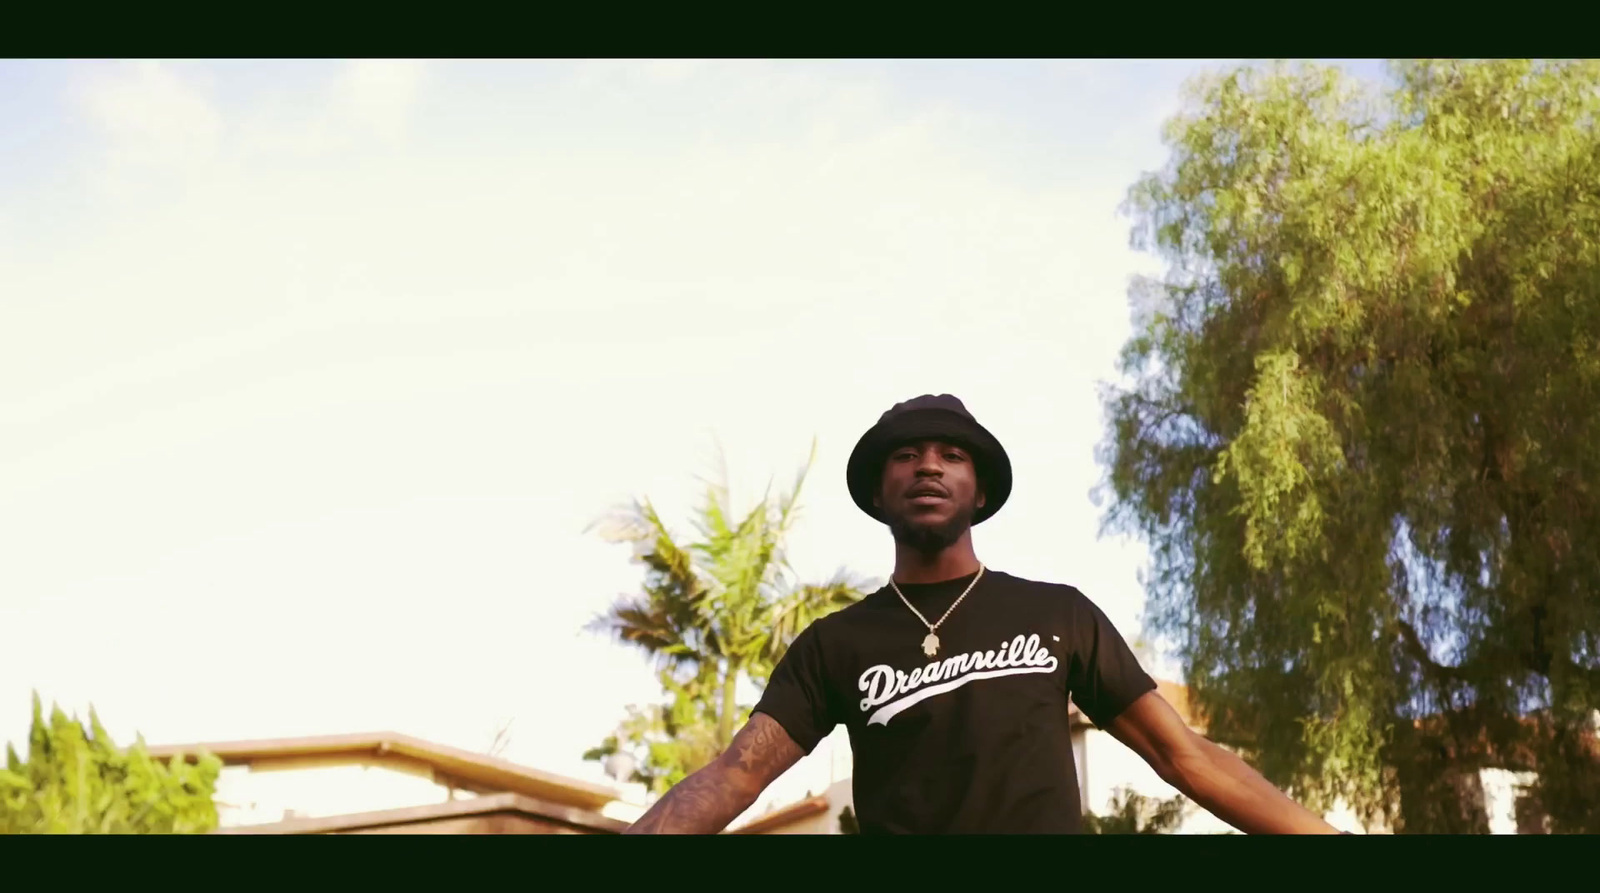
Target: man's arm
[705,802]
[1208,774]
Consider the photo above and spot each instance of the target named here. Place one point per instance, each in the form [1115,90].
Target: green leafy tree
[1357,427]
[674,738]
[1133,813]
[711,612]
[77,781]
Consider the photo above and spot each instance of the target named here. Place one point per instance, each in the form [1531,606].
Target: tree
[78,782]
[1134,813]
[1356,425]
[675,738]
[710,613]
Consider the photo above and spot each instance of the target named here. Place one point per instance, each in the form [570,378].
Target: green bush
[77,781]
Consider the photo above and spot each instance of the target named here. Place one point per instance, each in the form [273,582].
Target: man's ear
[981,498]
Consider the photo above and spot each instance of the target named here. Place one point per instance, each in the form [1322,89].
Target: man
[953,680]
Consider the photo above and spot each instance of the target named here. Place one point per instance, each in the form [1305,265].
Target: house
[386,783]
[389,783]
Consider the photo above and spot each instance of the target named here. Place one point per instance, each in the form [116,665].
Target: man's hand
[705,802]
[1209,775]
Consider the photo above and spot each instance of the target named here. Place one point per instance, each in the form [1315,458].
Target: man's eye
[955,457]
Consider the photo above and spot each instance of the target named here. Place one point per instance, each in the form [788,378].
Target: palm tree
[723,607]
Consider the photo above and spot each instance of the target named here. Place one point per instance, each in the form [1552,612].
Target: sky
[313,374]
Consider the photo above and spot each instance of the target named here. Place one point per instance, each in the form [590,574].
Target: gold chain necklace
[930,645]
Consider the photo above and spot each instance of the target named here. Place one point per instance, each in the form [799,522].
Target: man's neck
[950,563]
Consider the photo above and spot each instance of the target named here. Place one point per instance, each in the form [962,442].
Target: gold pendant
[930,645]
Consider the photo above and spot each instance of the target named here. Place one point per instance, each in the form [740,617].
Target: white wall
[1108,764]
[1502,789]
[249,797]
[1080,755]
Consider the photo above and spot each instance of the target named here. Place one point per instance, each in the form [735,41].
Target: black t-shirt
[976,738]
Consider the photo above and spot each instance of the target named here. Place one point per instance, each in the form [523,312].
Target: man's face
[929,494]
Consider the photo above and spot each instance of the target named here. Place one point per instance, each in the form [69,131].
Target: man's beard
[929,538]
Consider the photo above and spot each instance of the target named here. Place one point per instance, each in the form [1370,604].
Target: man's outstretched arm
[705,802]
[1208,774]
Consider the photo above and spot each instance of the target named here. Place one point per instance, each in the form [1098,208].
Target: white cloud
[673,71]
[152,116]
[378,94]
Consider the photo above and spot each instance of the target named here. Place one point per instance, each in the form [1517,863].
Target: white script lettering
[893,691]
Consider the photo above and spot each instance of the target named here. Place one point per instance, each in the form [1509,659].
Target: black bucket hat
[929,417]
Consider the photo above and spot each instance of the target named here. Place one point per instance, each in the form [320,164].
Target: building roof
[474,771]
[494,804]
[787,815]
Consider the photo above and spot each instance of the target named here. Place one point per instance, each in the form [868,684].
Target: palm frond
[619,524]
[789,506]
[722,606]
[800,608]
[634,622]
[759,562]
[715,507]
[674,578]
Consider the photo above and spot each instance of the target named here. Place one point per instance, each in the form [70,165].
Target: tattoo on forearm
[693,806]
[764,749]
[705,802]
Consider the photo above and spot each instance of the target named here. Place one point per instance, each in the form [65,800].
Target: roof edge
[452,761]
[410,815]
[794,812]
